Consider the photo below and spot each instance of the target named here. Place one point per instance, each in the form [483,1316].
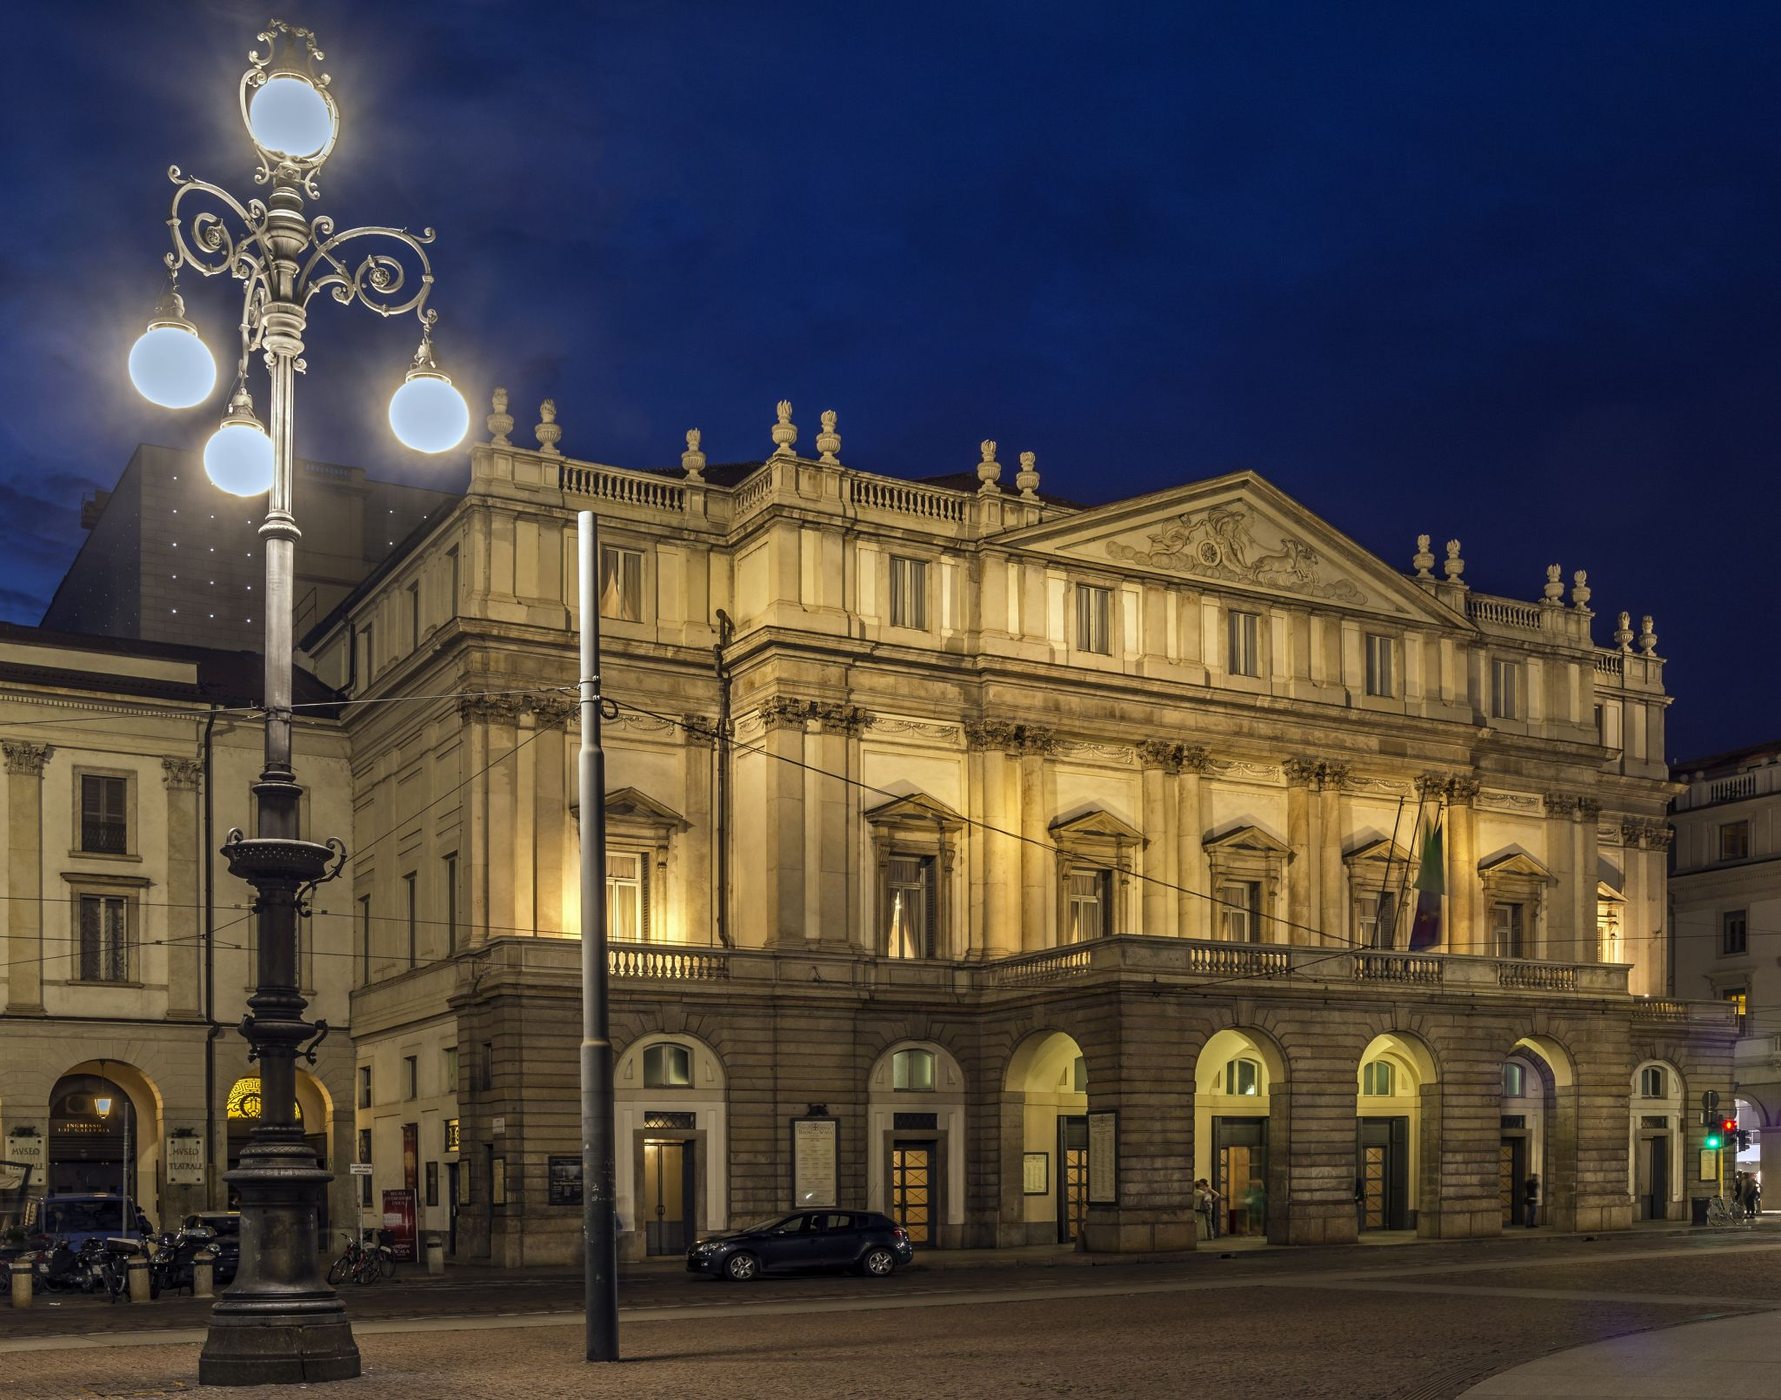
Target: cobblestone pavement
[1411,1324]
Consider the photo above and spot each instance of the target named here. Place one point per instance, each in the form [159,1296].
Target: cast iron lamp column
[280,1322]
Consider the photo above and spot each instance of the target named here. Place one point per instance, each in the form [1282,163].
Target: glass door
[1072,1177]
[667,1194]
[912,1197]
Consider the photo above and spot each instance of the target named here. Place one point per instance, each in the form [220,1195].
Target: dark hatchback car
[860,1240]
[226,1226]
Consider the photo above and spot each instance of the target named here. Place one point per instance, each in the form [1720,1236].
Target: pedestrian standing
[1749,1195]
[1203,1207]
[1530,1200]
[1360,1205]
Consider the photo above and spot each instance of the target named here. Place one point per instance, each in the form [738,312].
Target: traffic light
[1743,1139]
[1713,1141]
[1720,1133]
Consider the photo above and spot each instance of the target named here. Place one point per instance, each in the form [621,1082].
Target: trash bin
[433,1242]
[1697,1208]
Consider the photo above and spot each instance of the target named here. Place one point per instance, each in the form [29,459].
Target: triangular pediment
[917,807]
[1100,825]
[630,805]
[1248,838]
[1381,850]
[1234,533]
[1516,863]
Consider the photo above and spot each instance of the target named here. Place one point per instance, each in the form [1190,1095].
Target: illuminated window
[1381,665]
[1739,998]
[909,890]
[621,583]
[1243,1077]
[668,1066]
[1653,1083]
[244,1098]
[1377,1079]
[1507,931]
[1243,643]
[908,592]
[1094,619]
[627,896]
[1514,1080]
[1086,902]
[913,1070]
[451,1135]
[1239,911]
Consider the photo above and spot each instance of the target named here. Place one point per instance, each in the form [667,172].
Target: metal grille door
[912,1197]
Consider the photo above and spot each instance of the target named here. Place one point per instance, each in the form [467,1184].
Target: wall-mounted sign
[1035,1173]
[1103,1158]
[185,1158]
[497,1125]
[565,1181]
[25,1148]
[815,1162]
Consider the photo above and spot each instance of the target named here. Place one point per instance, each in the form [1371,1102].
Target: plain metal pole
[598,1228]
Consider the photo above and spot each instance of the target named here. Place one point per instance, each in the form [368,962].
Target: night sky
[1510,273]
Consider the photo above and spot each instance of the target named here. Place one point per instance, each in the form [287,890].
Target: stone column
[550,813]
[833,819]
[1560,904]
[697,876]
[494,812]
[1586,858]
[1161,823]
[1332,910]
[782,735]
[1465,895]
[996,872]
[1194,820]
[1311,1163]
[1038,866]
[180,780]
[24,841]
[1303,875]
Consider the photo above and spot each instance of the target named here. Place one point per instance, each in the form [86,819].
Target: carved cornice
[835,716]
[700,730]
[1652,834]
[1588,809]
[546,706]
[181,774]
[25,758]
[1012,739]
[1560,804]
[1461,788]
[1172,757]
[1317,773]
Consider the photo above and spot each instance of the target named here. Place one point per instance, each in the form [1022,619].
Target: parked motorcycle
[171,1264]
[59,1268]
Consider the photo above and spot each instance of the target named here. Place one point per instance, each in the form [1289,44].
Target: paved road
[1404,1324]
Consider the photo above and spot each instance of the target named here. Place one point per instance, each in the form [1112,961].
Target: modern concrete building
[129,947]
[1004,864]
[1725,893]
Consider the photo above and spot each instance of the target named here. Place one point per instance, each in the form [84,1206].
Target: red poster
[411,1152]
[398,1219]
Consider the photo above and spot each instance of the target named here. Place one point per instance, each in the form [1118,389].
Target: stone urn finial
[1580,593]
[500,421]
[549,431]
[1423,561]
[989,470]
[1555,587]
[828,441]
[1455,566]
[1623,633]
[1647,636]
[692,461]
[1026,480]
[785,432]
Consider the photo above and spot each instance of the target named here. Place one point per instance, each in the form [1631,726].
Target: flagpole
[1390,935]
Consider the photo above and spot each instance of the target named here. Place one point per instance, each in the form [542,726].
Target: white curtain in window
[624,896]
[1086,916]
[621,584]
[907,877]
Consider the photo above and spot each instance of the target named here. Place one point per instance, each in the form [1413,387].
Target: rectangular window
[1094,619]
[1239,911]
[621,583]
[364,939]
[365,1096]
[1376,1078]
[1381,665]
[627,896]
[104,817]
[104,938]
[365,1156]
[1367,930]
[1243,643]
[414,615]
[909,891]
[1086,900]
[450,863]
[908,592]
[451,1135]
[1506,931]
[1652,1086]
[1505,689]
[411,1076]
[1734,932]
[411,906]
[451,1069]
[1739,1000]
[1734,841]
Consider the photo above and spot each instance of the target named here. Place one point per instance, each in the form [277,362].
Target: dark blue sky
[1505,272]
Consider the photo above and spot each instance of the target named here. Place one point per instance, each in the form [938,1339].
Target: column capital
[1304,771]
[24,757]
[1173,757]
[1013,739]
[1560,804]
[181,774]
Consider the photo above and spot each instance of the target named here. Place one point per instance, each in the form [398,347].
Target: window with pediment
[1379,877]
[640,835]
[1096,852]
[1515,887]
[1248,870]
[914,843]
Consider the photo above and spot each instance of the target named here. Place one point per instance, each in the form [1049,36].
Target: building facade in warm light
[129,948]
[1003,864]
[1725,891]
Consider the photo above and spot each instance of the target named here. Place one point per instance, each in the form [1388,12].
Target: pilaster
[24,840]
[180,781]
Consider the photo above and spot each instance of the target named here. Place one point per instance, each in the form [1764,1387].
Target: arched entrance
[242,1115]
[1045,1141]
[1654,1148]
[915,1139]
[1234,1077]
[672,1141]
[1390,1149]
[1538,1142]
[105,1135]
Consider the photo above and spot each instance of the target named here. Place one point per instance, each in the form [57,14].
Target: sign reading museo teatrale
[816,1178]
[25,1147]
[185,1159]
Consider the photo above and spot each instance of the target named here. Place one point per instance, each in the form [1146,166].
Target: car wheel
[741,1267]
[879,1262]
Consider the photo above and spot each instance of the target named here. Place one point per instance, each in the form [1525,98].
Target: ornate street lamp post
[280,1322]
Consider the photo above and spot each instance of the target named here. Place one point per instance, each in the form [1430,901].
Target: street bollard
[21,1283]
[203,1273]
[138,1280]
[435,1246]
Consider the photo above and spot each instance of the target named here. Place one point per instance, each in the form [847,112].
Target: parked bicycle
[364,1262]
[1726,1211]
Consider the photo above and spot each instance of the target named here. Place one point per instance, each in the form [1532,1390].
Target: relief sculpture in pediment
[1217,543]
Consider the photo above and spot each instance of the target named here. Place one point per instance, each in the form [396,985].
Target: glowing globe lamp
[288,116]
[427,413]
[169,365]
[238,457]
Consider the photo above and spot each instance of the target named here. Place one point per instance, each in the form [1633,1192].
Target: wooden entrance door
[667,1198]
[1240,1169]
[1654,1176]
[1072,1177]
[912,1189]
[1511,1172]
[1383,1167]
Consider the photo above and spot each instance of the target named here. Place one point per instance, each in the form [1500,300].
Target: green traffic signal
[1713,1140]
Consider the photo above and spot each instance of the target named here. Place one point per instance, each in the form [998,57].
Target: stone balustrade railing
[1504,612]
[623,487]
[901,498]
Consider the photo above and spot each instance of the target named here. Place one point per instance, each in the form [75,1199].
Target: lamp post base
[279,1351]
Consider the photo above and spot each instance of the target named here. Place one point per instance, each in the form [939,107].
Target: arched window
[913,1070]
[1377,1079]
[668,1066]
[1653,1083]
[1243,1077]
[1514,1080]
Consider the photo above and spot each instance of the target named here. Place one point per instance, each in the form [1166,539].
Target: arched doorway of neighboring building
[1045,1097]
[105,1135]
[1538,1134]
[915,1141]
[1234,1077]
[1390,1150]
[1654,1161]
[672,1140]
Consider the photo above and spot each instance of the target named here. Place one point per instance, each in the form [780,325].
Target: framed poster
[1035,1173]
[411,1153]
[1103,1158]
[1709,1164]
[497,1181]
[565,1181]
[432,1183]
[816,1178]
[398,1219]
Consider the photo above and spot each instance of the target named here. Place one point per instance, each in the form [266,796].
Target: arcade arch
[671,1108]
[1045,1138]
[1655,1141]
[1539,1132]
[1392,1131]
[1234,1077]
[915,1136]
[105,1131]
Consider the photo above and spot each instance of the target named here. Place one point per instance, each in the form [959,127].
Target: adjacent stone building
[1003,864]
